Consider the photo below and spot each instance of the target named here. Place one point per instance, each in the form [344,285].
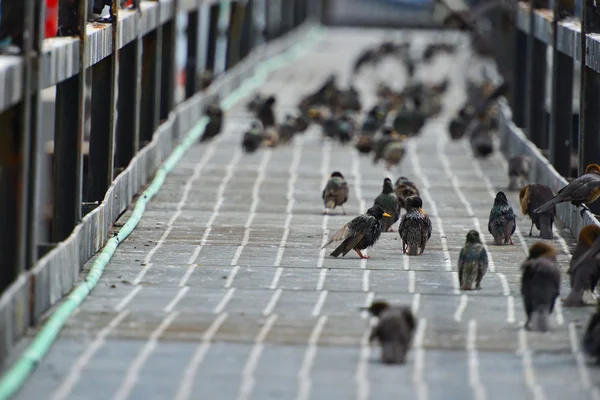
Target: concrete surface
[222,292]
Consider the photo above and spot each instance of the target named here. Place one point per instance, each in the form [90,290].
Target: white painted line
[223,303]
[504,283]
[321,280]
[411,281]
[162,239]
[189,374]
[473,360]
[77,368]
[558,312]
[127,299]
[325,161]
[416,303]
[180,294]
[272,302]
[248,373]
[528,372]
[284,238]
[276,278]
[405,262]
[134,368]
[232,274]
[419,363]
[462,305]
[368,301]
[365,280]
[510,307]
[358,183]
[455,282]
[304,381]
[361,376]
[319,305]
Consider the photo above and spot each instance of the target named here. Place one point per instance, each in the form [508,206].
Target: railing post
[561,113]
[536,69]
[192,58]
[222,37]
[519,88]
[212,34]
[234,36]
[248,29]
[168,68]
[259,12]
[151,74]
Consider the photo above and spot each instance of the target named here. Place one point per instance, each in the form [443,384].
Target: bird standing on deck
[335,192]
[502,223]
[518,171]
[215,120]
[405,188]
[253,137]
[394,330]
[540,285]
[415,227]
[581,191]
[472,262]
[390,204]
[265,112]
[591,337]
[362,232]
[531,197]
[584,268]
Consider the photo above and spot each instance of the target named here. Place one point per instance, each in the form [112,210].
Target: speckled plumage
[335,192]
[472,262]
[502,222]
[390,204]
[394,331]
[415,227]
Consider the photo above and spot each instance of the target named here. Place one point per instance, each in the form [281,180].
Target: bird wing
[344,233]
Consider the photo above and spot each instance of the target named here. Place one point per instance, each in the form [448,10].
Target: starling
[393,153]
[301,123]
[408,122]
[405,188]
[215,121]
[350,100]
[530,197]
[380,141]
[502,223]
[335,192]
[360,233]
[591,337]
[540,285]
[584,269]
[271,137]
[287,129]
[518,171]
[373,121]
[254,104]
[394,331]
[472,262]
[389,202]
[481,140]
[415,227]
[580,191]
[253,137]
[345,128]
[265,112]
[364,144]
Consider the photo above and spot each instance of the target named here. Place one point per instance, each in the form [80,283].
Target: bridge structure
[169,268]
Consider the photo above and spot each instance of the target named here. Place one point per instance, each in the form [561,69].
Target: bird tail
[498,238]
[539,320]
[546,226]
[393,353]
[547,206]
[413,249]
[514,183]
[330,204]
[338,250]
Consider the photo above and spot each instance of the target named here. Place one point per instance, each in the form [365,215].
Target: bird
[530,197]
[287,129]
[591,338]
[389,202]
[584,268]
[335,192]
[502,223]
[472,262]
[394,152]
[380,141]
[265,112]
[404,188]
[518,171]
[415,227]
[540,285]
[253,137]
[481,138]
[581,191]
[364,144]
[394,330]
[215,121]
[254,103]
[360,233]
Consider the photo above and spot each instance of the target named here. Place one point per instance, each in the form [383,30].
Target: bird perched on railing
[532,196]
[390,204]
[472,262]
[360,233]
[502,222]
[518,171]
[415,227]
[540,285]
[394,330]
[335,193]
[584,268]
[581,191]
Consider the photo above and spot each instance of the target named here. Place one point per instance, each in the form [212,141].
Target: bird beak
[591,252]
[386,214]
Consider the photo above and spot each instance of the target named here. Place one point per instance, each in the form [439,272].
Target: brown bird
[335,192]
[581,191]
[405,188]
[584,269]
[532,196]
[540,285]
[394,330]
[518,171]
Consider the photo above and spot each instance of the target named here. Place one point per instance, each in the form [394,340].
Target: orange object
[51,18]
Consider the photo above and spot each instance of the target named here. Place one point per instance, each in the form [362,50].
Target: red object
[51,18]
[128,3]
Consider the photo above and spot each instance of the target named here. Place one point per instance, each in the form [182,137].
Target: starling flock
[383,131]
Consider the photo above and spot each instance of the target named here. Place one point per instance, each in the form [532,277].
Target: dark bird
[502,223]
[481,140]
[394,152]
[265,112]
[380,141]
[360,233]
[345,128]
[253,137]
[581,191]
[215,121]
[540,285]
[405,188]
[364,144]
[591,338]
[394,330]
[390,204]
[287,129]
[584,268]
[335,192]
[415,227]
[301,123]
[255,102]
[518,171]
[531,197]
[472,262]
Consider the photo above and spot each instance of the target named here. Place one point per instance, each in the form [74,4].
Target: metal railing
[119,109]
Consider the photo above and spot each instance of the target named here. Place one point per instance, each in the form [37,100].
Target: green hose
[16,376]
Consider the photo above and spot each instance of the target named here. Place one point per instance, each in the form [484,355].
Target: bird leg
[360,254]
[325,211]
[344,210]
[584,208]
[531,230]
